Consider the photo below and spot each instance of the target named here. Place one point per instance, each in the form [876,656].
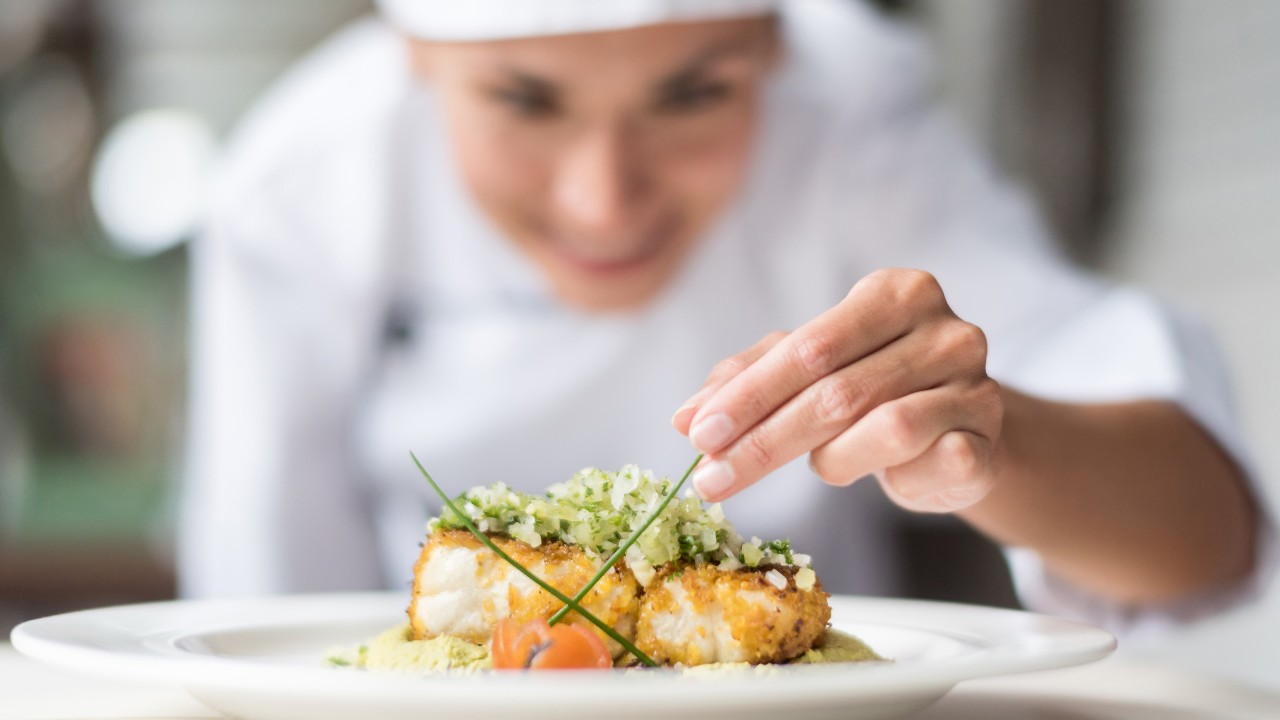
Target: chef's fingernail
[713,480]
[693,401]
[682,415]
[712,432]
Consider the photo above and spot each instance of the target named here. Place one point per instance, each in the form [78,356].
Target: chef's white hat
[497,19]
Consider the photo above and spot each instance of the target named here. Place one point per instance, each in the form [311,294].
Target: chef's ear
[421,56]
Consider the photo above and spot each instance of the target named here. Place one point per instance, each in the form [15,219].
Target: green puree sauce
[395,650]
[837,647]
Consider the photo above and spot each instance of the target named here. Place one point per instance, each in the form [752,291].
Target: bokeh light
[150,179]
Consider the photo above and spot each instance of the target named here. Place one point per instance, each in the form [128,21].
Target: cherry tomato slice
[503,643]
[571,646]
[538,646]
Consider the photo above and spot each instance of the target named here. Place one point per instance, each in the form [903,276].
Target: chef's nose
[598,185]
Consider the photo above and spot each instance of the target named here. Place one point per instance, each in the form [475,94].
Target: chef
[514,237]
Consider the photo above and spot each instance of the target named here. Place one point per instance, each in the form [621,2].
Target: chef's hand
[888,382]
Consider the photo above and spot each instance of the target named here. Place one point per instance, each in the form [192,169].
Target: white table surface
[1114,689]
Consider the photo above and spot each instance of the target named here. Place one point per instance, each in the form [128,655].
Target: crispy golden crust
[698,615]
[498,591]
[689,614]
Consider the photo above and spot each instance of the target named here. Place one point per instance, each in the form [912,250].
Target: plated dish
[259,659]
[606,569]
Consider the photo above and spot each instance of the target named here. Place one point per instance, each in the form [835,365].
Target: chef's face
[604,156]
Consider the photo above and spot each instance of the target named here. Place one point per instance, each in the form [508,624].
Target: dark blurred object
[891,6]
[1067,93]
[1035,82]
[945,559]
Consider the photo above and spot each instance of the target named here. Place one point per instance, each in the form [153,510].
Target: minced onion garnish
[597,510]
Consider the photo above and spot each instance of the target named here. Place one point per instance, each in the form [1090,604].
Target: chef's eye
[693,97]
[527,103]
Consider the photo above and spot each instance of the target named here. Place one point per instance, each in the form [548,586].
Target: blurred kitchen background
[1149,128]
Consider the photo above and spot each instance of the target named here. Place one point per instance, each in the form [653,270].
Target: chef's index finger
[723,372]
[857,327]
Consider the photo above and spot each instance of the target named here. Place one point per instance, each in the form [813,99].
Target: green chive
[569,604]
[622,549]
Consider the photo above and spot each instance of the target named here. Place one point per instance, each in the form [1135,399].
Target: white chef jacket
[353,304]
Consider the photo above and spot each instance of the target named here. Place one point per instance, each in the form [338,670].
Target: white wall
[211,58]
[1199,223]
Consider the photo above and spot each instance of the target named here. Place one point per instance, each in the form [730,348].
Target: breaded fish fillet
[701,614]
[461,588]
[689,614]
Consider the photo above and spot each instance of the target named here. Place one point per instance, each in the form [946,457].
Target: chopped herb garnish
[783,548]
[622,549]
[598,510]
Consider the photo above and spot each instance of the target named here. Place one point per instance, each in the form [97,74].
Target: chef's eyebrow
[696,65]
[527,82]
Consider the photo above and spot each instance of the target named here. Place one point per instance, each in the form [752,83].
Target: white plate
[264,659]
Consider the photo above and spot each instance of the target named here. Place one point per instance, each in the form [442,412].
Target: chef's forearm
[1133,501]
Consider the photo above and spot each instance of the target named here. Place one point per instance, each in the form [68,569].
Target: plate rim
[1054,643]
